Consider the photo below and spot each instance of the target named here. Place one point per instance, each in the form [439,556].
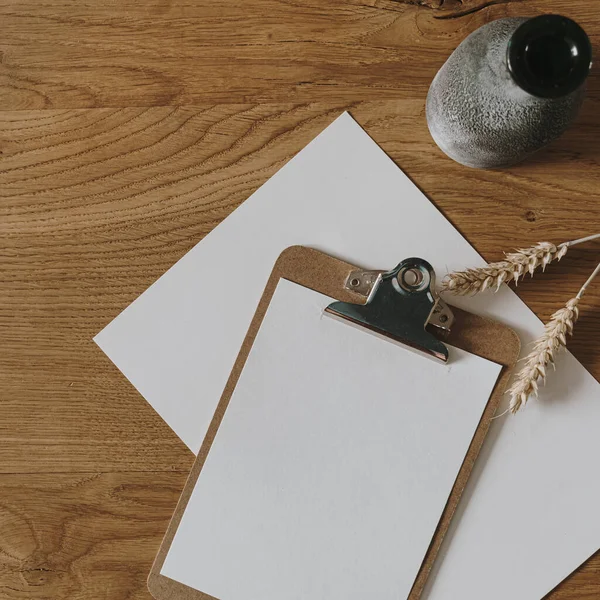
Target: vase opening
[549,56]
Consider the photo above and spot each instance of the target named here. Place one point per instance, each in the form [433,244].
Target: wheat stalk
[555,336]
[515,265]
[553,339]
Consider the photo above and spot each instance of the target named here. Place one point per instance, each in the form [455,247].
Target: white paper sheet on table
[530,508]
[333,462]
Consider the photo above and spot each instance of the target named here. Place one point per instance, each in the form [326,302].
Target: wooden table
[128,130]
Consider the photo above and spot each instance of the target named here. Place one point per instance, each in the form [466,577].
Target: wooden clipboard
[330,276]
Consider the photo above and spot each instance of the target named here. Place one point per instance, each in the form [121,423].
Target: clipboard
[365,298]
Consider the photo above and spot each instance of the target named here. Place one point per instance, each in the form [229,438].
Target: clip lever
[400,304]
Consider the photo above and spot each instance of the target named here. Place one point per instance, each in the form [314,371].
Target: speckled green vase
[510,88]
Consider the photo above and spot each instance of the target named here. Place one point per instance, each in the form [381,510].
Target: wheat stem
[589,238]
[589,281]
[553,339]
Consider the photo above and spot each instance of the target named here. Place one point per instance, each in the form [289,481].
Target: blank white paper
[530,513]
[332,465]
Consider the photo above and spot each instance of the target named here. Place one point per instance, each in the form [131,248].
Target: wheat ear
[512,268]
[553,339]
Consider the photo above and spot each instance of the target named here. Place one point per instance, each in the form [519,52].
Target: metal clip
[362,282]
[400,304]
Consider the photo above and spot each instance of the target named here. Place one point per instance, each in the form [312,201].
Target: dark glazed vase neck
[549,56]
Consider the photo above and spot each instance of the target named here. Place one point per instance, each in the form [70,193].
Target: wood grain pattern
[81,536]
[127,132]
[68,53]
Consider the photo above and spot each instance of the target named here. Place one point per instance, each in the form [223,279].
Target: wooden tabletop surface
[128,130]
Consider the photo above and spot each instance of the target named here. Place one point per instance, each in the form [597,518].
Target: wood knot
[444,9]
